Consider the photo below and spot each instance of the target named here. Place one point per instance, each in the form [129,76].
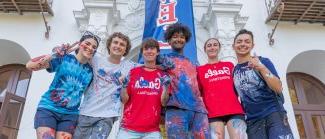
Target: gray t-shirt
[102,98]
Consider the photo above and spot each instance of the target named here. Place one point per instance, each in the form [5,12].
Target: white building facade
[298,52]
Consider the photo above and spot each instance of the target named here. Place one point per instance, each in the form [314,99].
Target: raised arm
[43,62]
[267,72]
[38,63]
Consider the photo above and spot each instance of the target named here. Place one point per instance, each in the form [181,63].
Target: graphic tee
[142,111]
[102,98]
[257,98]
[217,89]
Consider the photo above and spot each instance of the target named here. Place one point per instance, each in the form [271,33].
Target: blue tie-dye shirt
[185,93]
[256,97]
[70,81]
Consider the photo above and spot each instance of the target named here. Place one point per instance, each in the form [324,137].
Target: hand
[65,49]
[117,78]
[255,63]
[165,80]
[125,81]
[165,63]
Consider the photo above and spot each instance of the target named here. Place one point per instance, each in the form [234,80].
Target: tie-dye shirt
[70,81]
[185,93]
[102,98]
[257,98]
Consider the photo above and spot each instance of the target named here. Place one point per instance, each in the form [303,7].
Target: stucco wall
[28,31]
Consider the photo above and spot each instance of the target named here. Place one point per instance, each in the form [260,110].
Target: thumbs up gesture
[255,63]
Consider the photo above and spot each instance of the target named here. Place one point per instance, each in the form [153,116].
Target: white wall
[28,31]
[290,40]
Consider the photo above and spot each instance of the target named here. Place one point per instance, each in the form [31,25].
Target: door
[308,99]
[14,81]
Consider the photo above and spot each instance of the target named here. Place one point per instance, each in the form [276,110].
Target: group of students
[194,101]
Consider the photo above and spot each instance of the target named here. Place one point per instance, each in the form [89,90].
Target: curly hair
[244,31]
[150,43]
[177,28]
[121,36]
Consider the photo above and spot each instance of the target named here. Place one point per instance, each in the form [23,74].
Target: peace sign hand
[65,49]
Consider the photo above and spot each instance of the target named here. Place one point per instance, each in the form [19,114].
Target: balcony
[23,6]
[310,11]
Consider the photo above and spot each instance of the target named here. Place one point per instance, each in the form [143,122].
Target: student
[143,96]
[57,112]
[101,106]
[186,115]
[258,85]
[216,82]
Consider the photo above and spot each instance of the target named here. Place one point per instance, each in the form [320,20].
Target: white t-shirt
[102,98]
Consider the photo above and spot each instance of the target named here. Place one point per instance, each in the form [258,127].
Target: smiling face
[117,47]
[149,54]
[243,44]
[177,41]
[212,48]
[87,48]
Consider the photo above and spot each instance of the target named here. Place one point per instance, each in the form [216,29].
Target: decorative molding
[99,17]
[222,20]
[135,5]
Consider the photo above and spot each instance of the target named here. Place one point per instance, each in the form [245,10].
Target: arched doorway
[14,83]
[308,99]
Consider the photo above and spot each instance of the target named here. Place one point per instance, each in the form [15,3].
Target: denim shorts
[129,134]
[56,121]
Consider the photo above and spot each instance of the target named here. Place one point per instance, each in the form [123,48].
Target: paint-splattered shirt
[70,81]
[185,93]
[257,98]
[102,98]
[142,111]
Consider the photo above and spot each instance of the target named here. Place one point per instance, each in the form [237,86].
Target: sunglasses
[88,33]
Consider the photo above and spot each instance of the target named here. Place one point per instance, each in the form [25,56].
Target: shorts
[56,121]
[226,118]
[129,134]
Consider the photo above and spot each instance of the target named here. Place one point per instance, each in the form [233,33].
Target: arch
[309,62]
[12,53]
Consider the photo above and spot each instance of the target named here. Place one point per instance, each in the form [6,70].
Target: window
[14,81]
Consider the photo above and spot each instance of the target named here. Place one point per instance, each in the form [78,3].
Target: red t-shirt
[142,111]
[217,87]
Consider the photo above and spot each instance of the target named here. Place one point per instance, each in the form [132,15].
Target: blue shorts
[56,121]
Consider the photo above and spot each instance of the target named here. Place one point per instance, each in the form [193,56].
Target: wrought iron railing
[271,5]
